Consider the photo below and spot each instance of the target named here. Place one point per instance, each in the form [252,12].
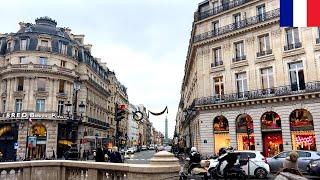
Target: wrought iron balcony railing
[264,53]
[217,63]
[239,58]
[292,46]
[216,10]
[44,48]
[260,94]
[239,25]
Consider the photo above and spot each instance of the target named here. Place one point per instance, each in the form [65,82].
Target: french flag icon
[299,13]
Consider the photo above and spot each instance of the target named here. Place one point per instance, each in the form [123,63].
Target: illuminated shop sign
[26,115]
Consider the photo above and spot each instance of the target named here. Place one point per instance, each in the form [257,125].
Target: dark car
[305,157]
[314,167]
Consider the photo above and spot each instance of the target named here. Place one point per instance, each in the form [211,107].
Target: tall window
[23,60]
[296,76]
[44,43]
[60,108]
[217,56]
[239,51]
[215,5]
[215,27]
[267,78]
[63,63]
[261,12]
[218,86]
[264,45]
[63,48]
[237,20]
[41,84]
[18,105]
[4,105]
[40,105]
[61,86]
[43,60]
[20,82]
[23,44]
[242,85]
[292,37]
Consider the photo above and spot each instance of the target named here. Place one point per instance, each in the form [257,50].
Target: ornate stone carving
[276,33]
[250,40]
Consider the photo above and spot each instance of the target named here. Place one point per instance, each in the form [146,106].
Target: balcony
[224,7]
[44,48]
[239,58]
[280,91]
[100,88]
[292,46]
[237,26]
[264,53]
[217,63]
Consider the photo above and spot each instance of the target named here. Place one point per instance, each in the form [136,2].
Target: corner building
[39,65]
[244,73]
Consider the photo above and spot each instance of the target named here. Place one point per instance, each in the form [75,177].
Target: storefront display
[37,142]
[244,126]
[243,143]
[8,137]
[221,133]
[271,133]
[302,130]
[272,143]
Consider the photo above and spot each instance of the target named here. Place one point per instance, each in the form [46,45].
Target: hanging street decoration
[138,115]
[160,113]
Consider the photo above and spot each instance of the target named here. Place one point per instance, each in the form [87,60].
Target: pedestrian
[115,156]
[84,155]
[99,155]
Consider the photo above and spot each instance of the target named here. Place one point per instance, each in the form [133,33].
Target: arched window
[301,119]
[220,123]
[270,120]
[243,122]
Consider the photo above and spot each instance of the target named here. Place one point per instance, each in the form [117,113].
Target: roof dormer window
[62,48]
[23,44]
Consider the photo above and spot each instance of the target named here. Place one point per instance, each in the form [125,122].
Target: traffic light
[120,112]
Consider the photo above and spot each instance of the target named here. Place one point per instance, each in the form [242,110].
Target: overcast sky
[144,41]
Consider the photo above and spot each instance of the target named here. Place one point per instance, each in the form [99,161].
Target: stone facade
[39,66]
[241,62]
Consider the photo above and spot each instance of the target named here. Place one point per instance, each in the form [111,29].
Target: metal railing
[293,89]
[264,53]
[217,63]
[239,58]
[44,48]
[216,10]
[292,46]
[239,25]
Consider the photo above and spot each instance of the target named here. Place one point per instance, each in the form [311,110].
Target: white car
[258,166]
[130,150]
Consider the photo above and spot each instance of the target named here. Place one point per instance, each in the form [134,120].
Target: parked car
[168,148]
[314,167]
[151,147]
[144,147]
[276,162]
[130,150]
[258,166]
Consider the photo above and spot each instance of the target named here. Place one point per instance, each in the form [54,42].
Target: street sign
[16,145]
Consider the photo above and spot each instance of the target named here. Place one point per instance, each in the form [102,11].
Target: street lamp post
[74,121]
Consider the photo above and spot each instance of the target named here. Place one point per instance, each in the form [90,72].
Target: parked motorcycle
[195,170]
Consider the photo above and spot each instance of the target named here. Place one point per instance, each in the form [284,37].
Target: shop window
[270,120]
[301,119]
[20,83]
[41,84]
[220,123]
[221,133]
[244,130]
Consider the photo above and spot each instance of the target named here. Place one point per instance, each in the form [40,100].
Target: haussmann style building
[39,67]
[249,83]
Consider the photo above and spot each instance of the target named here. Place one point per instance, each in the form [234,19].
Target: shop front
[221,133]
[64,139]
[37,140]
[245,133]
[302,130]
[271,134]
[8,140]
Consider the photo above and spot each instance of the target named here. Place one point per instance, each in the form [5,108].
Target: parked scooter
[195,170]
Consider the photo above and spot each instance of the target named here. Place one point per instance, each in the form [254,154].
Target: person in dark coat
[99,155]
[115,156]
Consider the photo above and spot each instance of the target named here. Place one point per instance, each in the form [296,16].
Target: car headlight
[314,164]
